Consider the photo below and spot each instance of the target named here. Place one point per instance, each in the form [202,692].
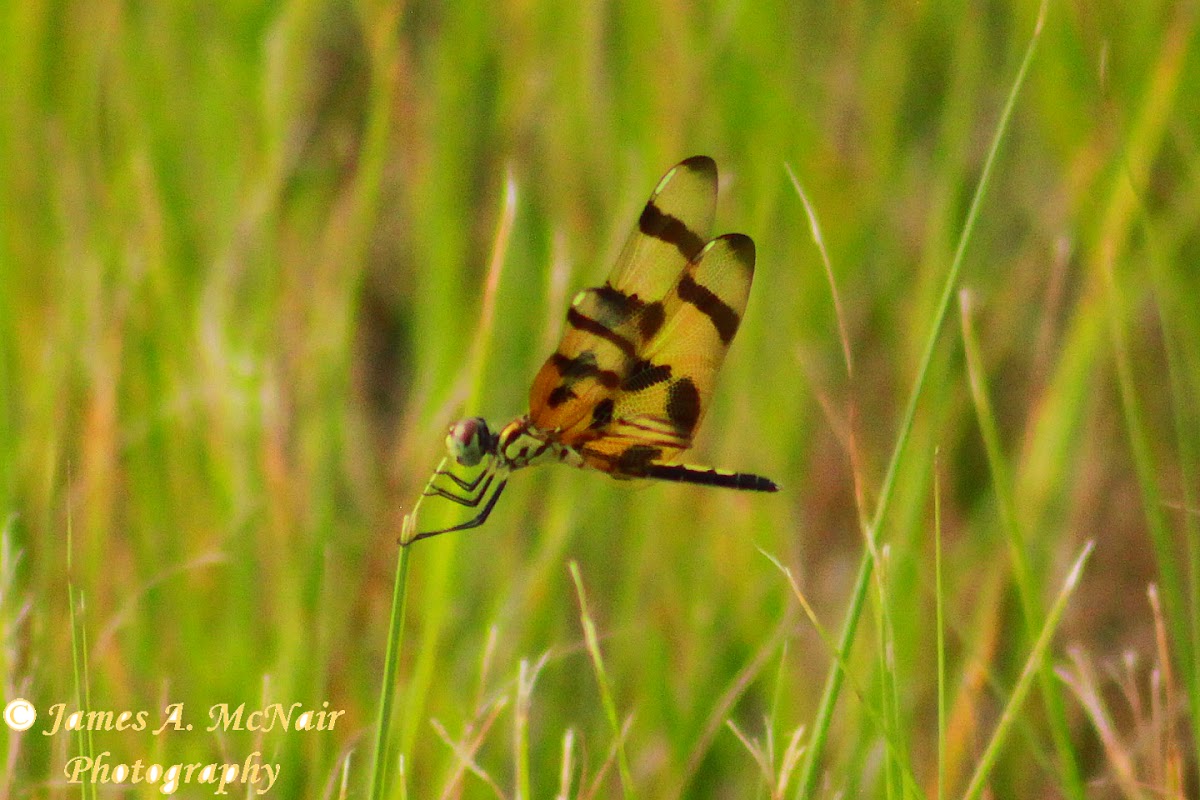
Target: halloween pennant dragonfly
[628,385]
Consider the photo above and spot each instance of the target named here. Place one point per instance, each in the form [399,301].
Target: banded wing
[632,377]
[608,326]
[658,408]
[673,227]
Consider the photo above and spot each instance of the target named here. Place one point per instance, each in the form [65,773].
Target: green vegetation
[254,260]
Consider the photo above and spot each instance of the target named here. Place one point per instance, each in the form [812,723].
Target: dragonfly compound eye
[468,440]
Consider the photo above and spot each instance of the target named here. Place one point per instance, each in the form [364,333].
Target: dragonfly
[628,385]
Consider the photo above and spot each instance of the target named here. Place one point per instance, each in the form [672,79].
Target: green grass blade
[1008,717]
[387,691]
[1189,459]
[896,753]
[939,595]
[610,706]
[79,660]
[1070,774]
[833,682]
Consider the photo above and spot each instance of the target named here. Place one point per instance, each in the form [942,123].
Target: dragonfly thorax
[522,444]
[518,444]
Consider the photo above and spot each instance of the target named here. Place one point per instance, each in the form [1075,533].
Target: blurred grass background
[243,252]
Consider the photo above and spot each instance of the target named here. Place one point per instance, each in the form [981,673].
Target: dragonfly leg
[474,493]
[462,483]
[475,521]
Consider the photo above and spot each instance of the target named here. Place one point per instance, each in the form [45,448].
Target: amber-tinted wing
[672,229]
[658,407]
[610,325]
[632,377]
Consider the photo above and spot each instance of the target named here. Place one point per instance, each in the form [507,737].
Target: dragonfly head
[469,440]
